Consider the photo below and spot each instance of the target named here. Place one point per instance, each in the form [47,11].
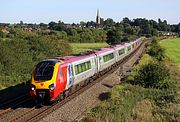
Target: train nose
[42,95]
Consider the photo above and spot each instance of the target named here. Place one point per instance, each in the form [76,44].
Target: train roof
[104,50]
[88,54]
[76,57]
[119,46]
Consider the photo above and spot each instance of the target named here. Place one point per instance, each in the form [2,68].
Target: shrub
[152,75]
[156,50]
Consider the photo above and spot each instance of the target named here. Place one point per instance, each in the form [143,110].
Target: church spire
[97,18]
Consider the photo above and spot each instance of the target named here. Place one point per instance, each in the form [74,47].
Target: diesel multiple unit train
[52,79]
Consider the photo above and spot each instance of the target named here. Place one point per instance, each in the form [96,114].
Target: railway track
[13,103]
[35,113]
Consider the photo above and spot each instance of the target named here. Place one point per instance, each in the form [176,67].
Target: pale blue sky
[69,11]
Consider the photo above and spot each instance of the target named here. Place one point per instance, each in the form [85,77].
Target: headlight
[33,87]
[51,87]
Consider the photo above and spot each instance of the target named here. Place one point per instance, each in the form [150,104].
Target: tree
[154,32]
[126,20]
[91,24]
[113,37]
[128,29]
[109,22]
[52,25]
[156,50]
[83,24]
[43,26]
[163,26]
[152,75]
[71,31]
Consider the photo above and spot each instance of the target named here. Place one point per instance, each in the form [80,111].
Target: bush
[152,75]
[132,102]
[156,50]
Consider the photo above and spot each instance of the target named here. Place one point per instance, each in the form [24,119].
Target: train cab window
[44,71]
[108,57]
[121,51]
[82,67]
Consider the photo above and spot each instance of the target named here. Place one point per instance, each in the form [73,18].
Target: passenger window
[82,67]
[108,57]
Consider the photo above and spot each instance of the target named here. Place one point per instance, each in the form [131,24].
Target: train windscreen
[44,71]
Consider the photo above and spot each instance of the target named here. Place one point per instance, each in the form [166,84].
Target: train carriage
[138,42]
[120,52]
[106,58]
[128,48]
[83,68]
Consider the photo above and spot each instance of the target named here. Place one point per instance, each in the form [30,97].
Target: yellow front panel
[45,84]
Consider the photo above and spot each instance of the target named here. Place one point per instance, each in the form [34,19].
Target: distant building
[98,19]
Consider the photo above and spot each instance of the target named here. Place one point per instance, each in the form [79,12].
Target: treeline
[115,32]
[79,34]
[128,29]
[108,31]
[70,34]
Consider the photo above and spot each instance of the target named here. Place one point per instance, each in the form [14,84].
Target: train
[54,79]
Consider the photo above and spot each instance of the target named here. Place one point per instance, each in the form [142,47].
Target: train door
[134,44]
[70,80]
[97,63]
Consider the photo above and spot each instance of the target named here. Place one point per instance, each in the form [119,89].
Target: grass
[82,47]
[129,103]
[133,103]
[172,49]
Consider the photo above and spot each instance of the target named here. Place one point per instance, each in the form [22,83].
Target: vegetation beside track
[143,98]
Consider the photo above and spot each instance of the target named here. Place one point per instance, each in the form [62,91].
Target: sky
[74,11]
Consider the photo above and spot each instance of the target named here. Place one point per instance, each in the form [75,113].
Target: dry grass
[142,111]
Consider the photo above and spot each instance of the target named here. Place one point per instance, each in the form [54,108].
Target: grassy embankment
[128,102]
[81,47]
[172,49]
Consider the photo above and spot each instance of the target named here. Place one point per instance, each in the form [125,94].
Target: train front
[44,81]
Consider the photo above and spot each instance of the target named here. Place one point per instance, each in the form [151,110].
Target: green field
[81,47]
[172,49]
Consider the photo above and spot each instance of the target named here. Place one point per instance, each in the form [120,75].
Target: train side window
[89,64]
[76,69]
[122,51]
[79,68]
[129,48]
[108,57]
[72,70]
[86,65]
[82,67]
